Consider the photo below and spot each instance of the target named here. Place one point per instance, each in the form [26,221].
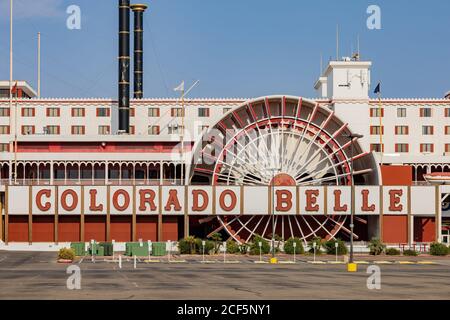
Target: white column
[65,172]
[92,170]
[161,172]
[10,172]
[79,172]
[120,173]
[37,171]
[51,172]
[106,172]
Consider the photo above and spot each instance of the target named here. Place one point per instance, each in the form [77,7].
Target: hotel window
[447,112]
[447,130]
[175,129]
[427,130]
[401,130]
[225,110]
[376,112]
[132,112]
[375,130]
[28,130]
[401,112]
[132,129]
[203,112]
[28,112]
[176,112]
[376,147]
[426,147]
[153,130]
[4,130]
[78,112]
[425,112]
[153,112]
[53,112]
[201,128]
[102,112]
[78,130]
[447,148]
[4,147]
[4,112]
[401,147]
[52,130]
[102,130]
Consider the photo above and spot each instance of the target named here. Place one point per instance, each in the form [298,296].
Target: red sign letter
[311,200]
[93,205]
[365,201]
[47,205]
[394,200]
[126,201]
[173,201]
[74,196]
[284,200]
[195,200]
[337,202]
[222,200]
[144,199]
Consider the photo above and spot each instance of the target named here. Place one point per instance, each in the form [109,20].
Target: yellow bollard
[273,260]
[352,267]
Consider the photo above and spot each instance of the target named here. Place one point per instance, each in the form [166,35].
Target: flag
[14,89]
[378,88]
[180,87]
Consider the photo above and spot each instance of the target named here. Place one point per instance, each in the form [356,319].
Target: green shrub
[376,247]
[209,246]
[410,252]
[66,254]
[392,252]
[232,247]
[187,245]
[318,241]
[289,246]
[330,247]
[254,246]
[438,249]
[243,248]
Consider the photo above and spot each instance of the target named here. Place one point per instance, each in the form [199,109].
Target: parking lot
[37,275]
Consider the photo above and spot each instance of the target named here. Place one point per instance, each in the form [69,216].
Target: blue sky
[236,48]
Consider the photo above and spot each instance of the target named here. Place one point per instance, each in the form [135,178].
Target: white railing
[90,182]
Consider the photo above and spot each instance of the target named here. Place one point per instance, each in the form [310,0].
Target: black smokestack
[124,66]
[138,10]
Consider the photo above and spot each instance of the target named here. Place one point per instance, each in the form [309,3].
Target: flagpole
[15,138]
[380,115]
[11,66]
[182,135]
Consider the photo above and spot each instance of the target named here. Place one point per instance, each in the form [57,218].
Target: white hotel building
[75,142]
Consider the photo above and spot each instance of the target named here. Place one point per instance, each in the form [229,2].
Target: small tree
[289,246]
[330,246]
[318,242]
[232,247]
[438,249]
[187,245]
[376,247]
[217,238]
[254,247]
[66,254]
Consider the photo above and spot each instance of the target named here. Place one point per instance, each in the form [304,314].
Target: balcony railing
[91,182]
